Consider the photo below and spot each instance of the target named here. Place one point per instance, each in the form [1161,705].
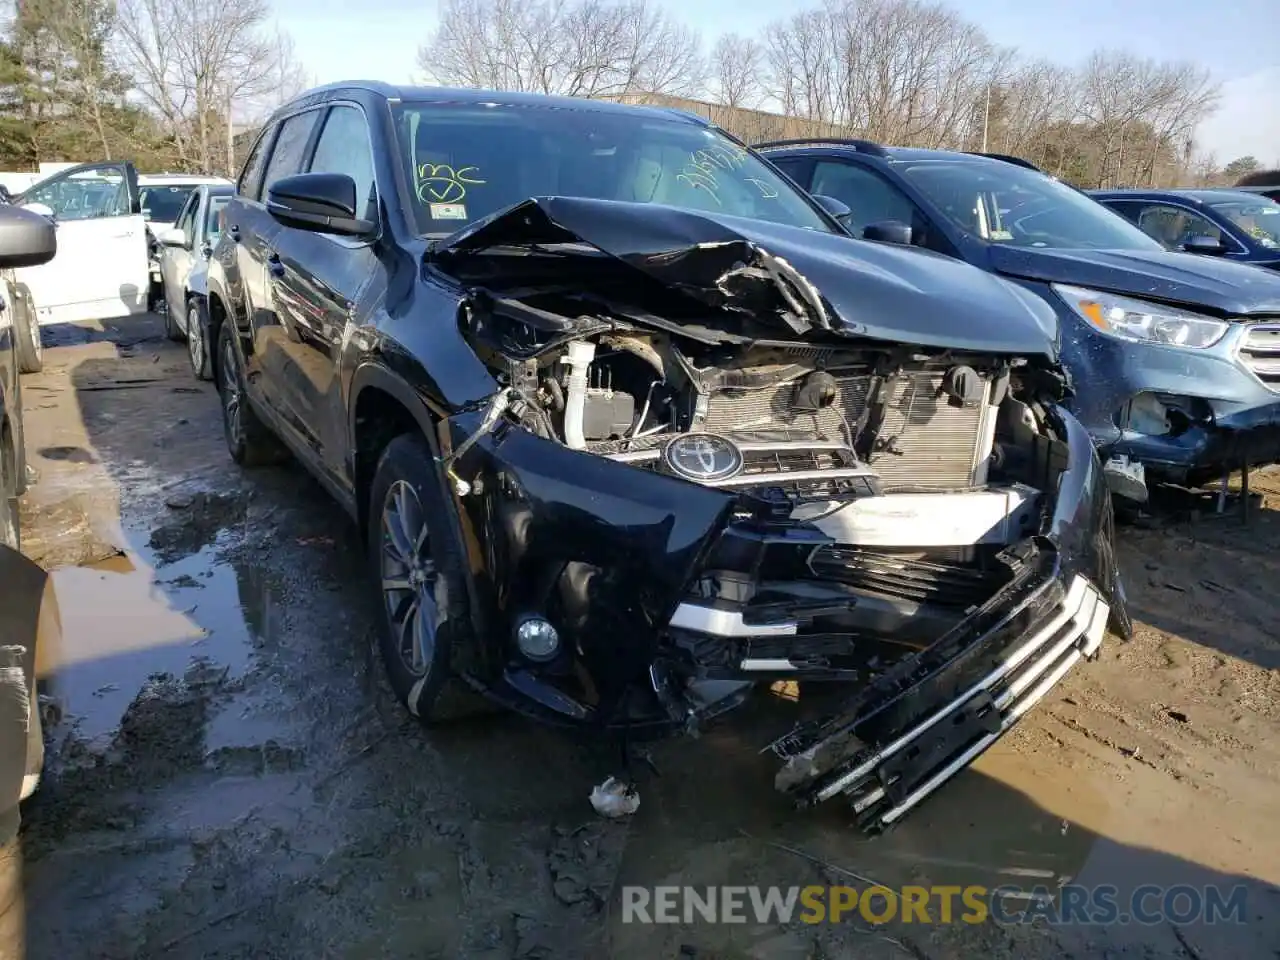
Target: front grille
[930,444]
[1260,351]
[804,469]
[922,580]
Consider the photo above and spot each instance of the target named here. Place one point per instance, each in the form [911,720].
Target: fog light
[537,638]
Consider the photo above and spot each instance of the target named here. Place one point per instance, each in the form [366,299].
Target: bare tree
[1140,111]
[580,48]
[195,61]
[902,71]
[735,70]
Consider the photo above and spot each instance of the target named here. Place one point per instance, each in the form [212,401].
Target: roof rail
[862,146]
[1007,158]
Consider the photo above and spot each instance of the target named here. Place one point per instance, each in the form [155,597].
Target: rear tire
[26,334]
[418,567]
[171,329]
[197,341]
[249,441]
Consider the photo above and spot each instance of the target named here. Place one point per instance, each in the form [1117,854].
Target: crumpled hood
[1222,287]
[809,280]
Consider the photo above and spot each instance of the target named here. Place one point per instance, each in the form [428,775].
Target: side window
[869,196]
[88,194]
[291,144]
[1174,226]
[344,147]
[213,219]
[187,219]
[793,167]
[1126,208]
[251,176]
[872,199]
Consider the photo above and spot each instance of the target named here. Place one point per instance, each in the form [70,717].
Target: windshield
[1261,220]
[163,204]
[1013,206]
[465,162]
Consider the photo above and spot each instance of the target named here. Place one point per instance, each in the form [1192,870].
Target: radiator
[939,446]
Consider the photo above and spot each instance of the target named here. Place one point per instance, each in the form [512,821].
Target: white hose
[581,353]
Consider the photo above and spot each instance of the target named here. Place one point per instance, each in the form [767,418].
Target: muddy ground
[229,776]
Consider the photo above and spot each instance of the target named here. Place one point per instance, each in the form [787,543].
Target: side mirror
[173,237]
[1205,246]
[888,231]
[837,208]
[319,202]
[27,239]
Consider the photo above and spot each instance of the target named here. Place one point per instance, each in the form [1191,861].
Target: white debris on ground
[614,799]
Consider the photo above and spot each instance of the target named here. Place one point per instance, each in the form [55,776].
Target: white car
[185,249]
[104,267]
[162,196]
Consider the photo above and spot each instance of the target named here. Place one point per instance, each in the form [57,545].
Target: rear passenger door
[319,292]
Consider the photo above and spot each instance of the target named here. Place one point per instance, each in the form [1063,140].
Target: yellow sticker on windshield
[443,183]
[448,211]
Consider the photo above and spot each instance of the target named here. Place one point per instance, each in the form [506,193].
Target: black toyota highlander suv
[1175,357]
[631,426]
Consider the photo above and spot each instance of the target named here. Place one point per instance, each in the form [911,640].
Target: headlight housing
[1140,320]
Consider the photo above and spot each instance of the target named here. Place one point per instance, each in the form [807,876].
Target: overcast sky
[1239,40]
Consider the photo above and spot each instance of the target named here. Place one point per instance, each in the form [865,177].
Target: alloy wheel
[232,396]
[408,577]
[37,341]
[195,340]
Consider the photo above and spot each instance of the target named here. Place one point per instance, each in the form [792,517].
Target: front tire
[9,535]
[26,332]
[197,341]
[417,564]
[249,441]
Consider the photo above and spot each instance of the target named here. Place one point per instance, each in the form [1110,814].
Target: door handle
[122,236]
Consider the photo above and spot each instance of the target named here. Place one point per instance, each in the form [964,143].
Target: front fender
[603,549]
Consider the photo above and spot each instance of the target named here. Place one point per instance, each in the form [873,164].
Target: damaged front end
[701,473]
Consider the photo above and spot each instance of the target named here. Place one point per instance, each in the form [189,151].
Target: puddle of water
[119,626]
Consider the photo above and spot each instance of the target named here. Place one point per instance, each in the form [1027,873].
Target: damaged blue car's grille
[1260,351]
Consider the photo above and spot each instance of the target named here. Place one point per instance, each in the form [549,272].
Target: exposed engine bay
[914,463]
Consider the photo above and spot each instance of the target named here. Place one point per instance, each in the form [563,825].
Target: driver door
[101,269]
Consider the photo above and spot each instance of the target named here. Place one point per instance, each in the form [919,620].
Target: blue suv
[1175,358]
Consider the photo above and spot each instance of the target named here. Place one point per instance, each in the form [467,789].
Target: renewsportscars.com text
[1070,904]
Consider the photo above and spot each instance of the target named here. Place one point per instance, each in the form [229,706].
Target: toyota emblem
[703,457]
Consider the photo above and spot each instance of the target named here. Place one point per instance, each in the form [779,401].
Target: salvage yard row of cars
[633,417]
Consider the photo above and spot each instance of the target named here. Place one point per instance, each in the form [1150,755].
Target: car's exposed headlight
[1141,320]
